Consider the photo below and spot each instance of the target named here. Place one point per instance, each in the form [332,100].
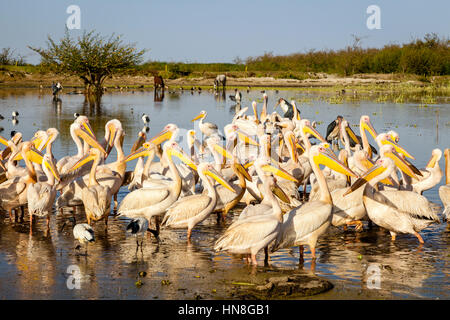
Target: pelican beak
[90,139]
[216,176]
[400,163]
[36,141]
[88,128]
[223,152]
[248,164]
[352,134]
[369,175]
[413,167]
[397,148]
[144,151]
[231,144]
[51,166]
[279,172]
[112,138]
[243,137]
[139,143]
[34,155]
[314,132]
[368,164]
[293,144]
[299,146]
[368,126]
[180,154]
[200,115]
[161,137]
[3,141]
[329,159]
[244,171]
[432,161]
[280,193]
[82,162]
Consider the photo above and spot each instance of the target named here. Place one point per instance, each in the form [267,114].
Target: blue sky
[219,31]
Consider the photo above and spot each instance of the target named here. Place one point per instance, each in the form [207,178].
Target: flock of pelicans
[264,160]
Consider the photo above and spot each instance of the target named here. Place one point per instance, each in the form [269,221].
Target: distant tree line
[9,58]
[428,56]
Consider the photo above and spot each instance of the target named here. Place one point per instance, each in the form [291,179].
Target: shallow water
[35,267]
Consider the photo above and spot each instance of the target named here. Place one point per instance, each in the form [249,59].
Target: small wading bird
[82,232]
[138,227]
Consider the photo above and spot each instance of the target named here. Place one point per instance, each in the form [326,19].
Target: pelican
[398,211]
[444,191]
[431,175]
[227,199]
[306,223]
[13,192]
[77,131]
[189,211]
[136,181]
[207,128]
[248,236]
[41,195]
[153,201]
[96,198]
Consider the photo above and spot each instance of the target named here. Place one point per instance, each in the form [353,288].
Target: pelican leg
[115,201]
[357,223]
[266,255]
[301,250]
[106,223]
[313,252]
[22,213]
[419,237]
[254,262]
[31,223]
[189,232]
[393,236]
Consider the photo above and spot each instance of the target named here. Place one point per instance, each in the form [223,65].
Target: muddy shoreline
[17,79]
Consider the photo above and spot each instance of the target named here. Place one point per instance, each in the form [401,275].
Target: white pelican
[444,191]
[207,128]
[305,224]
[187,212]
[153,201]
[431,175]
[248,236]
[13,192]
[41,195]
[96,198]
[77,131]
[398,211]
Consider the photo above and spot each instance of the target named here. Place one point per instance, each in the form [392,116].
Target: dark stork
[287,108]
[333,129]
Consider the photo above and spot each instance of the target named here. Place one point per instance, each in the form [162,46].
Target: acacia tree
[91,57]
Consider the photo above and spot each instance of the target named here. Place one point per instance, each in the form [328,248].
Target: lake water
[34,267]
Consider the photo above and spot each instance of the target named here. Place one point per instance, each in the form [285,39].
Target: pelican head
[111,128]
[436,155]
[168,132]
[201,115]
[207,169]
[84,121]
[321,154]
[49,164]
[83,130]
[365,124]
[385,138]
[307,128]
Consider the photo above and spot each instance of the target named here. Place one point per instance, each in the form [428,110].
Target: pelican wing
[260,230]
[186,208]
[10,189]
[140,199]
[40,198]
[97,200]
[300,222]
[409,202]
